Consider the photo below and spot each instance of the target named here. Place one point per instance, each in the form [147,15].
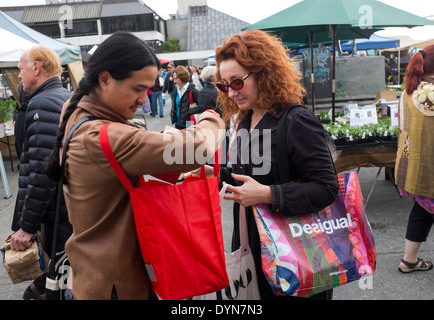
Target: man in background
[35,206]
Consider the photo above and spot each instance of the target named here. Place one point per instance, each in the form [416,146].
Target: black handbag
[59,268]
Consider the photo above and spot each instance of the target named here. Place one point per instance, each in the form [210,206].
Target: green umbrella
[314,21]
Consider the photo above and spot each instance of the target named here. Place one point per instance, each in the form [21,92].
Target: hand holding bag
[240,267]
[179,231]
[28,264]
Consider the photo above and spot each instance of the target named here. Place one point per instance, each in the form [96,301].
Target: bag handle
[108,152]
[244,236]
[191,97]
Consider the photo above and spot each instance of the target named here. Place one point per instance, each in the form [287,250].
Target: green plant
[324,115]
[171,45]
[7,110]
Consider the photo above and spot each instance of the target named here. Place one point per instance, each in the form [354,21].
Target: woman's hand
[250,193]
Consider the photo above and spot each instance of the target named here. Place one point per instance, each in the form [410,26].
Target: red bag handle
[192,118]
[105,145]
[191,97]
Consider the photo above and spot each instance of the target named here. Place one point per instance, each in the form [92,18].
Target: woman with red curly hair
[258,83]
[414,159]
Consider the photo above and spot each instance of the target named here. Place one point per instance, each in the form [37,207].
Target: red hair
[417,67]
[263,55]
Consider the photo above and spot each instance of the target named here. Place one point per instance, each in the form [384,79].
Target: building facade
[86,23]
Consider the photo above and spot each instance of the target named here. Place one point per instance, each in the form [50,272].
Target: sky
[252,11]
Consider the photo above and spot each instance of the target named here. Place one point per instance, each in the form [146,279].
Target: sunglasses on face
[236,84]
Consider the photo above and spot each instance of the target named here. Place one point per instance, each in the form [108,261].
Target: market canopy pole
[333,27]
[312,74]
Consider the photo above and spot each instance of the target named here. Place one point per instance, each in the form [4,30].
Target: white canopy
[9,52]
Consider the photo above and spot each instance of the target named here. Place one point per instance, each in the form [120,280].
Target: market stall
[361,139]
[378,156]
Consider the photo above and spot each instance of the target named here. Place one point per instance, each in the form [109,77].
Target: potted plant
[7,110]
[335,133]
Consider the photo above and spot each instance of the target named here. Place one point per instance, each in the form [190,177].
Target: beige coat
[103,249]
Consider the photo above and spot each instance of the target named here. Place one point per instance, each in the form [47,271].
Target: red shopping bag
[179,231]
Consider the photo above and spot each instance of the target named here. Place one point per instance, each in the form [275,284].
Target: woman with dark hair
[258,83]
[103,250]
[414,168]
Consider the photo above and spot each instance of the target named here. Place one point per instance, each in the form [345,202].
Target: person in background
[19,128]
[181,105]
[257,82]
[208,95]
[392,66]
[104,251]
[169,85]
[157,96]
[35,206]
[414,169]
[195,77]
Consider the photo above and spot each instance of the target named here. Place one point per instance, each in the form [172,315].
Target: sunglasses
[236,84]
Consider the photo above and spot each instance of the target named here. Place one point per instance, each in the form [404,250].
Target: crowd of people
[254,80]
[191,90]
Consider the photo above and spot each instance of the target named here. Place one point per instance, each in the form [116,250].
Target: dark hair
[120,55]
[417,67]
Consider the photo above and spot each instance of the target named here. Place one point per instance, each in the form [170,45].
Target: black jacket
[37,193]
[206,100]
[169,85]
[309,161]
[181,115]
[156,87]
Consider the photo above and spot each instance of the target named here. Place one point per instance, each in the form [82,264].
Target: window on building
[134,23]
[82,28]
[199,11]
[50,30]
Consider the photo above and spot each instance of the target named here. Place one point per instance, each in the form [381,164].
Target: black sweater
[309,161]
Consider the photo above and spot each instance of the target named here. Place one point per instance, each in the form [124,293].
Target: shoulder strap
[191,97]
[283,173]
[60,186]
[69,136]
[105,145]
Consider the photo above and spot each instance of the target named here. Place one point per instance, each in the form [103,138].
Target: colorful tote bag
[305,255]
[179,230]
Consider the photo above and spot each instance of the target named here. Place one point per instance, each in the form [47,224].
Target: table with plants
[372,145]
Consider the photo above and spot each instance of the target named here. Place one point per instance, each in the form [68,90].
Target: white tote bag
[240,266]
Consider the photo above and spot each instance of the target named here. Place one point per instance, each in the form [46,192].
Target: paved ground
[386,212]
